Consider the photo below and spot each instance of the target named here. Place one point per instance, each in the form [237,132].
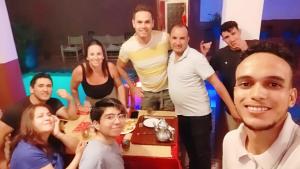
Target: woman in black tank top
[99,78]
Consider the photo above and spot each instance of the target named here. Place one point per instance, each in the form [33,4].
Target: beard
[260,128]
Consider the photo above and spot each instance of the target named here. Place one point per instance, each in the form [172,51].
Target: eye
[274,85]
[110,117]
[122,116]
[244,84]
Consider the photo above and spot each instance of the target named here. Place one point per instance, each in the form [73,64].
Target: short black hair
[100,106]
[277,49]
[227,26]
[38,76]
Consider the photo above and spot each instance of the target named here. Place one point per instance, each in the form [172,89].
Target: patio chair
[74,48]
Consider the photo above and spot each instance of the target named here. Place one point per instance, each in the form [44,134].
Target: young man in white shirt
[264,90]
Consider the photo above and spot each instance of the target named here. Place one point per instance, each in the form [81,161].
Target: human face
[232,38]
[263,91]
[111,122]
[95,55]
[41,90]
[43,121]
[143,25]
[179,40]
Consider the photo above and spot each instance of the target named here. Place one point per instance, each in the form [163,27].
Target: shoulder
[78,70]
[55,104]
[160,35]
[195,55]
[26,151]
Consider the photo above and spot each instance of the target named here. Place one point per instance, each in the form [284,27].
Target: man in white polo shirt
[268,138]
[187,70]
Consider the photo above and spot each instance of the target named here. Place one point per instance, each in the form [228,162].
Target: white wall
[247,14]
[273,9]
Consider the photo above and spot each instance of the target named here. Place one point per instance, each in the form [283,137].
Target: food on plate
[129,126]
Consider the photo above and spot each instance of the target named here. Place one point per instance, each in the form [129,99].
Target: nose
[258,92]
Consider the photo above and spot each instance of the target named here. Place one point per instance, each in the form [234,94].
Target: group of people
[258,76]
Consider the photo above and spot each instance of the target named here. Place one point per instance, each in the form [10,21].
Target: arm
[74,163]
[221,90]
[120,88]
[69,112]
[69,141]
[134,90]
[75,82]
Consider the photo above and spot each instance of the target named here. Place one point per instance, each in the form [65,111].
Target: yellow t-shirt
[149,61]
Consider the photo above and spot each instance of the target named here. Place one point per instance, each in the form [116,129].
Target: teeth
[257,108]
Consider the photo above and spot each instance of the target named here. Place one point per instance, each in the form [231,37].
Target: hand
[80,147]
[205,47]
[63,94]
[56,131]
[137,91]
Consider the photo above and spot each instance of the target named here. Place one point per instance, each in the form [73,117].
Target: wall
[54,20]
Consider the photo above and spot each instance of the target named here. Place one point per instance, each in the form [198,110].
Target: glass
[113,117]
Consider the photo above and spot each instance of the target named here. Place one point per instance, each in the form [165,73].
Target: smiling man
[187,71]
[264,90]
[147,50]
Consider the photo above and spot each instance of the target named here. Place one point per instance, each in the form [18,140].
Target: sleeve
[55,104]
[214,61]
[12,115]
[123,54]
[90,158]
[30,157]
[203,68]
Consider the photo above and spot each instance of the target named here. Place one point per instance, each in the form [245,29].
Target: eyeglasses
[112,117]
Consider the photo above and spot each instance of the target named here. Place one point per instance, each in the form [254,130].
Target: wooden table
[140,156]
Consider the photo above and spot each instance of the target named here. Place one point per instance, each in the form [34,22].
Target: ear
[31,89]
[293,97]
[96,124]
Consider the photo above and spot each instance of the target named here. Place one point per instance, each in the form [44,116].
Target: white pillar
[7,45]
[11,85]
[248,15]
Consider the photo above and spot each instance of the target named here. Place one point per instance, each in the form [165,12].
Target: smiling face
[232,38]
[95,55]
[143,24]
[111,122]
[42,122]
[263,91]
[179,39]
[41,90]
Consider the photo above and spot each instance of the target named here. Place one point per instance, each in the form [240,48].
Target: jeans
[195,134]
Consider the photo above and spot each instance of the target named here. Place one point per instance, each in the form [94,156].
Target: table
[140,156]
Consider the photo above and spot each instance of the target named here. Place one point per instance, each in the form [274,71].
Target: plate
[150,122]
[129,126]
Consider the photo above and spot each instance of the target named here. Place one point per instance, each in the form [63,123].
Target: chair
[75,48]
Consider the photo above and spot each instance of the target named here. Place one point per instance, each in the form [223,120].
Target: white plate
[150,122]
[129,126]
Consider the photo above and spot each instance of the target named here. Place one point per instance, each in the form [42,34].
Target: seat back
[76,41]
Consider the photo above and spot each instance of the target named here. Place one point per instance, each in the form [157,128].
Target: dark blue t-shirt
[28,156]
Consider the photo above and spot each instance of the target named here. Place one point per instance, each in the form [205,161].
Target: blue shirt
[28,156]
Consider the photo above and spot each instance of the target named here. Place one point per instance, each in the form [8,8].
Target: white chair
[75,48]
